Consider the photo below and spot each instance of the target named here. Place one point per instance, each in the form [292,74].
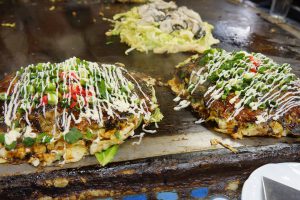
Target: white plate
[285,173]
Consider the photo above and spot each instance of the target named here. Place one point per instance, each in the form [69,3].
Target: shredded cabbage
[145,38]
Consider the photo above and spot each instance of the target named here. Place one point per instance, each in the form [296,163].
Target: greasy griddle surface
[77,29]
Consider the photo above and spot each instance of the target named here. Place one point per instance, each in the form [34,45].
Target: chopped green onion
[262,69]
[284,87]
[78,61]
[39,88]
[123,90]
[2,138]
[271,103]
[107,155]
[240,71]
[3,96]
[220,84]
[289,79]
[89,135]
[237,87]
[182,75]
[20,110]
[239,56]
[39,67]
[51,87]
[224,97]
[249,75]
[30,89]
[52,99]
[227,65]
[28,141]
[130,85]
[43,138]
[63,88]
[262,106]
[15,124]
[156,116]
[191,87]
[83,81]
[118,135]
[102,88]
[213,77]
[73,136]
[11,146]
[65,103]
[270,80]
[83,72]
[33,75]
[21,71]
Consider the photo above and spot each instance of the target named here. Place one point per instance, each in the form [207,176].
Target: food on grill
[163,27]
[64,111]
[242,94]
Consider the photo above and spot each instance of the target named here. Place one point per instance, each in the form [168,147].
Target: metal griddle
[180,154]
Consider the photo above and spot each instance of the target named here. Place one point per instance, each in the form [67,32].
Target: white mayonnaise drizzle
[140,136]
[199,121]
[110,92]
[147,130]
[263,89]
[12,136]
[182,104]
[177,99]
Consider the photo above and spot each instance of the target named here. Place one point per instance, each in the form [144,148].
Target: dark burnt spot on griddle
[285,48]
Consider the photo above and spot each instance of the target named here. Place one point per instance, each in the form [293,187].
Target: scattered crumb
[216,141]
[233,186]
[83,179]
[45,198]
[161,84]
[101,14]
[57,182]
[87,194]
[9,25]
[60,182]
[272,30]
[74,14]
[149,80]
[121,64]
[48,183]
[127,172]
[109,20]
[52,8]
[34,161]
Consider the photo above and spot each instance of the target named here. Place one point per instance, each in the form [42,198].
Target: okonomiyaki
[240,93]
[162,27]
[64,111]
